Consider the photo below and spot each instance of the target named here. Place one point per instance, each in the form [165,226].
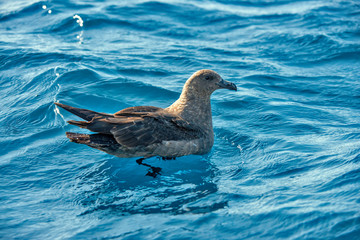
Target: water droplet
[81,24]
[43,6]
[79,20]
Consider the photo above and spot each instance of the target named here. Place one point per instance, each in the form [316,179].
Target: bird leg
[153,171]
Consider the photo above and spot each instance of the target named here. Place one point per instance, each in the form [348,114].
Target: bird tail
[85,114]
[103,142]
[93,140]
[78,137]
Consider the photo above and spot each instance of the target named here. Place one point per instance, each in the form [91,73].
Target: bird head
[205,82]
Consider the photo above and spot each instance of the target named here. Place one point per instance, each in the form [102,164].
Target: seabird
[183,128]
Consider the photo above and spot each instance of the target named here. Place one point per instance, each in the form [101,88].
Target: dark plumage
[183,128]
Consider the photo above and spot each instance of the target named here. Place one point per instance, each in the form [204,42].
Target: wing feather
[155,129]
[141,126]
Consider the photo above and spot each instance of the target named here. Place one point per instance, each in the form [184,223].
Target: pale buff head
[205,82]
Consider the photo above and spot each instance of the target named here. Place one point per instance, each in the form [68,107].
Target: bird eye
[207,77]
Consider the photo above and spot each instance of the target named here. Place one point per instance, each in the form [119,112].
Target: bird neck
[193,107]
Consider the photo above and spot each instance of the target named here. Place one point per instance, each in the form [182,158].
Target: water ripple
[285,163]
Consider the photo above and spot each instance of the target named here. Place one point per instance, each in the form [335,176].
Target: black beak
[227,85]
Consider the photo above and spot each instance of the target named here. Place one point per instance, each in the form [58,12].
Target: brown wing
[142,126]
[154,128]
[103,123]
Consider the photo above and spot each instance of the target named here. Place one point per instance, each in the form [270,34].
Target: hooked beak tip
[226,84]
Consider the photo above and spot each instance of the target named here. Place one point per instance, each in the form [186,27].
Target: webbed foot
[153,171]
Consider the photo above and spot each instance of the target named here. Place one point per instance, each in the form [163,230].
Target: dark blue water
[286,158]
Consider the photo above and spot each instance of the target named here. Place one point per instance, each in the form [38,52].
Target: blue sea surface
[286,158]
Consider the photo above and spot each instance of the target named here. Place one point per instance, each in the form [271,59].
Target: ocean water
[286,158]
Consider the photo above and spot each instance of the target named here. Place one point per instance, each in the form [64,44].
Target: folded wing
[153,128]
[137,126]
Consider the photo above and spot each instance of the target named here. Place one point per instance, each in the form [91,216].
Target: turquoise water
[286,158]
